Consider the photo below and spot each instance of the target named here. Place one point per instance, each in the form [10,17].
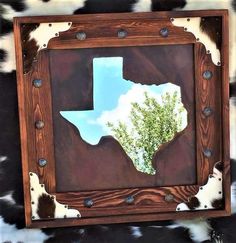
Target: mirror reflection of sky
[113,96]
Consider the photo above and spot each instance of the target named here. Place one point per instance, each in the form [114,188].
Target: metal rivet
[198,39]
[185,29]
[81,35]
[188,19]
[121,34]
[88,202]
[169,198]
[208,51]
[42,162]
[164,32]
[32,202]
[39,124]
[207,74]
[207,153]
[66,206]
[207,111]
[129,199]
[78,215]
[218,63]
[220,192]
[44,45]
[50,25]
[219,179]
[69,23]
[172,19]
[37,83]
[201,188]
[33,217]
[32,189]
[178,209]
[56,34]
[205,206]
[65,216]
[42,185]
[31,174]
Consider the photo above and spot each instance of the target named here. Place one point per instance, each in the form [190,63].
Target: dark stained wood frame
[35,105]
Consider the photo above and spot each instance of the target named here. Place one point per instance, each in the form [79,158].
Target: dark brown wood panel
[72,89]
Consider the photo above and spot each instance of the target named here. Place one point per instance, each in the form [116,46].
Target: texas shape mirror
[123,120]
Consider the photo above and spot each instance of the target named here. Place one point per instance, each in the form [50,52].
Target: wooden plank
[225,111]
[118,16]
[208,128]
[129,218]
[23,121]
[112,202]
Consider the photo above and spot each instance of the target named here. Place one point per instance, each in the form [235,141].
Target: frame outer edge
[22,119]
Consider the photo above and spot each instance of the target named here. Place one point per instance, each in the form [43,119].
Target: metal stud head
[129,199]
[42,162]
[207,74]
[39,124]
[121,34]
[81,35]
[207,111]
[37,83]
[169,198]
[88,202]
[207,153]
[164,32]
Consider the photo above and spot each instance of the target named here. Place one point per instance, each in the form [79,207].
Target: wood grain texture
[38,105]
[112,202]
[209,130]
[119,16]
[104,34]
[225,112]
[22,118]
[129,218]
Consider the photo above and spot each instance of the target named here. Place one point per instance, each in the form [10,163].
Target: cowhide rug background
[11,196]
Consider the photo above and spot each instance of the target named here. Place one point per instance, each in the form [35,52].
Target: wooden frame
[35,104]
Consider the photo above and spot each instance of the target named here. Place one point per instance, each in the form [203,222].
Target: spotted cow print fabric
[12,227]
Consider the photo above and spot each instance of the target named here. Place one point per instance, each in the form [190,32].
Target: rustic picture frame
[44,205]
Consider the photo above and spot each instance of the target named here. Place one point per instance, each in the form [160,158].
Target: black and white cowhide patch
[44,205]
[209,196]
[11,194]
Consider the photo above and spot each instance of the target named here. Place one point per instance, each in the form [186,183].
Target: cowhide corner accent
[36,38]
[209,196]
[46,31]
[44,205]
[209,39]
